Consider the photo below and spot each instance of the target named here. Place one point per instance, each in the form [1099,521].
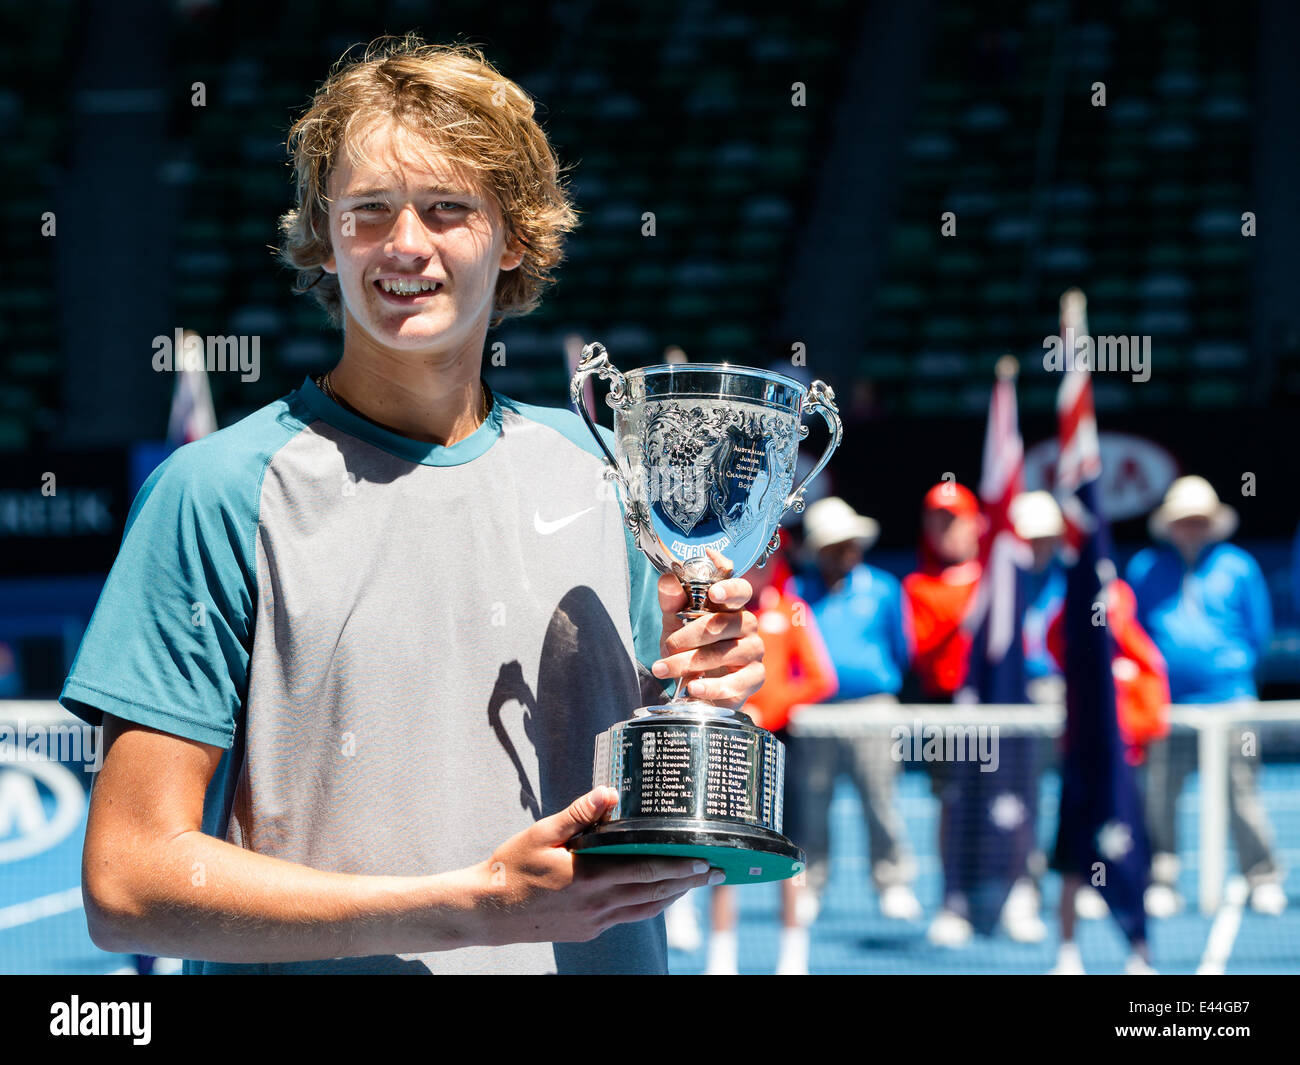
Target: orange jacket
[799,669]
[1141,679]
[937,601]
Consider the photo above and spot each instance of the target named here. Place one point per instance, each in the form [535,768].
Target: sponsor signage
[1134,473]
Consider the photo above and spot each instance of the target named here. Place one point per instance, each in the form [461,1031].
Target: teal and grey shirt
[405,650]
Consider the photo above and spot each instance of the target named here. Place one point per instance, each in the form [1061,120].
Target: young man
[354,652]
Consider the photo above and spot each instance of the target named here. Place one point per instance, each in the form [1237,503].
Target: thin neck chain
[323,383]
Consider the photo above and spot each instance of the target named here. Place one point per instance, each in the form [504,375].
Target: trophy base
[748,854]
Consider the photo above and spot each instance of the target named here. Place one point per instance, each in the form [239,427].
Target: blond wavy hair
[482,123]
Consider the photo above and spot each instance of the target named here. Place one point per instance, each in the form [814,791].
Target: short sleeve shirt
[405,650]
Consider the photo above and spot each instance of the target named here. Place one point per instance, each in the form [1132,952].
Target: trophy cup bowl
[704,457]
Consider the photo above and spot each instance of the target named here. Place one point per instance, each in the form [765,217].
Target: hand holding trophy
[704,458]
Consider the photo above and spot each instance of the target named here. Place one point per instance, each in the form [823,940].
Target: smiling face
[417,247]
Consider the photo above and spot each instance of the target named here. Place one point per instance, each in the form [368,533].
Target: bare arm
[154,883]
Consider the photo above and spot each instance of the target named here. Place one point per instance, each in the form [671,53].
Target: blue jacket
[1211,621]
[864,629]
[1046,594]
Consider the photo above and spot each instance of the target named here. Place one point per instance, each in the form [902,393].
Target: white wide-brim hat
[833,521]
[1192,497]
[1036,516]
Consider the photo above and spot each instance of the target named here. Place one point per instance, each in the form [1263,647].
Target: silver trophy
[704,456]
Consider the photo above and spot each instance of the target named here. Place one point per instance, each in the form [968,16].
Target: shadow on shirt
[586,682]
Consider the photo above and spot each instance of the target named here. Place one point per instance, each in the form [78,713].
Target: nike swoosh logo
[545,528]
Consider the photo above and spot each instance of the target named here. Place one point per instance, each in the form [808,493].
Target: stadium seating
[1139,202]
[649,124]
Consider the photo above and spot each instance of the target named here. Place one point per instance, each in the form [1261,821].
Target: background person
[939,591]
[938,597]
[1206,606]
[1037,520]
[859,611]
[1141,684]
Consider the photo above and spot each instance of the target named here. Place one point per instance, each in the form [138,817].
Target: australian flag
[1100,836]
[995,811]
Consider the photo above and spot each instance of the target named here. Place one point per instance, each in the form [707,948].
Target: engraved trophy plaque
[704,457]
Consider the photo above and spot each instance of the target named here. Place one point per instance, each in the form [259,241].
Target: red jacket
[937,598]
[799,669]
[1141,679]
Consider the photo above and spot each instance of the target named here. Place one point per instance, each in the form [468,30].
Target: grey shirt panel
[436,648]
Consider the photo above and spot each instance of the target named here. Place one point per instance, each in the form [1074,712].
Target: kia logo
[1134,473]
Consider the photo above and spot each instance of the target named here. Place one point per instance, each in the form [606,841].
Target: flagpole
[1100,823]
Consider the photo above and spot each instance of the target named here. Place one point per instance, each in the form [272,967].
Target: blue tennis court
[43,928]
[850,936]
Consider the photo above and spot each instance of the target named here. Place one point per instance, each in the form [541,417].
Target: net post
[1212,767]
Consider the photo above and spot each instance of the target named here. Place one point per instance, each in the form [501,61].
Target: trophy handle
[770,549]
[821,398]
[595,360]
